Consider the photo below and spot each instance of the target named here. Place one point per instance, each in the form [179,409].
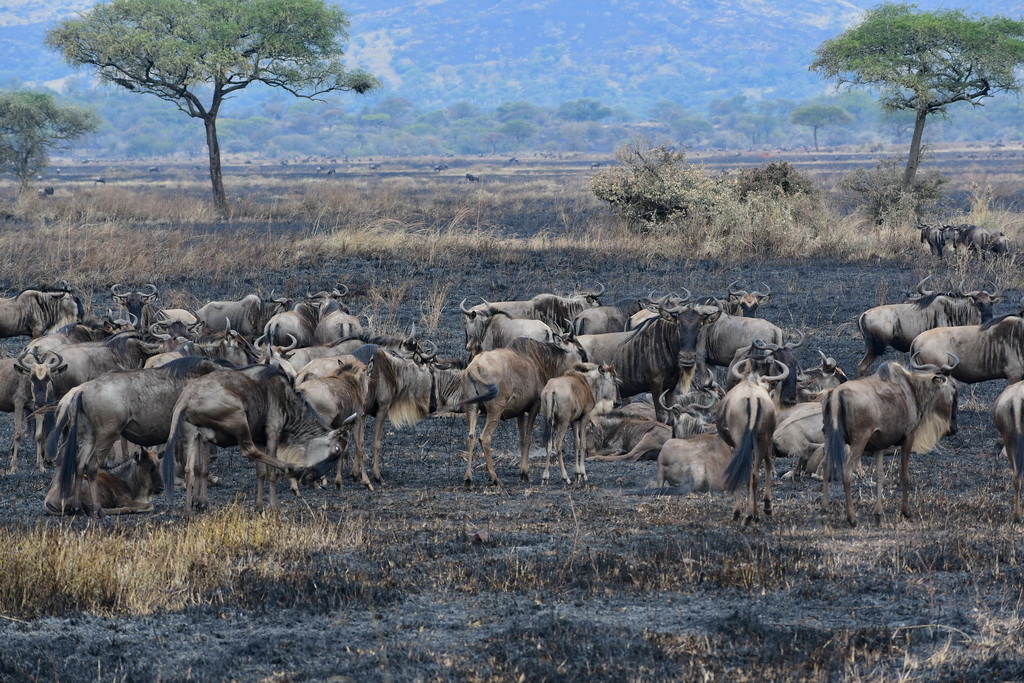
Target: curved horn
[133,320]
[152,290]
[465,311]
[309,291]
[780,377]
[259,340]
[684,299]
[796,344]
[21,359]
[427,355]
[949,368]
[154,327]
[735,292]
[661,401]
[914,365]
[766,293]
[290,347]
[735,370]
[116,294]
[54,360]
[920,287]
[341,294]
[701,407]
[711,377]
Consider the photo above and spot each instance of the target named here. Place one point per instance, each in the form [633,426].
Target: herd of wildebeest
[291,383]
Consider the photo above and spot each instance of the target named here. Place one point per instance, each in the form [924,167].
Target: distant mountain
[625,53]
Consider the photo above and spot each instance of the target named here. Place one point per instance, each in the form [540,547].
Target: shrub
[778,177]
[880,194]
[655,184]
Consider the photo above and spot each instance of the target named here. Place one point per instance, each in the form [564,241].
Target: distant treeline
[279,126]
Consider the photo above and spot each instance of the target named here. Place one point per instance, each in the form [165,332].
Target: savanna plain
[425,578]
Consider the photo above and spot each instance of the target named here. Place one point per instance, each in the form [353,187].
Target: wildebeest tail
[874,344]
[167,466]
[835,434]
[738,471]
[488,395]
[1016,449]
[69,463]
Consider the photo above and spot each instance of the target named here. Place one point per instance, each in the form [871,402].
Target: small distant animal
[472,178]
[45,191]
[374,167]
[154,169]
[440,167]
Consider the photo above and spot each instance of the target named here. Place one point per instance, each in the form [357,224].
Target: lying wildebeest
[575,398]
[294,327]
[134,404]
[1009,418]
[123,489]
[490,328]
[694,464]
[798,433]
[250,408]
[550,309]
[334,320]
[228,345]
[812,383]
[746,421]
[992,350]
[35,312]
[897,325]
[909,408]
[607,318]
[249,315]
[657,356]
[508,382]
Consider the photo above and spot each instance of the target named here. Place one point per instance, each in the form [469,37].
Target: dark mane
[996,321]
[926,301]
[190,365]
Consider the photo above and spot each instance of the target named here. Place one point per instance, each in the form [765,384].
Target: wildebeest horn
[54,360]
[466,311]
[335,293]
[21,359]
[309,291]
[946,369]
[152,290]
[427,355]
[735,370]
[796,344]
[290,347]
[759,294]
[116,294]
[735,292]
[920,287]
[661,401]
[686,298]
[133,320]
[759,344]
[702,407]
[259,340]
[780,377]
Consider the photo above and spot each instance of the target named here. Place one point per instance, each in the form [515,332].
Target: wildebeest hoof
[852,522]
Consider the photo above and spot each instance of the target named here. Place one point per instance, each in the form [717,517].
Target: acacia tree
[925,61]
[33,124]
[818,115]
[196,53]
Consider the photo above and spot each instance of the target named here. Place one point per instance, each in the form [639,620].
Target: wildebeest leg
[19,433]
[378,437]
[493,418]
[879,476]
[765,448]
[905,477]
[203,478]
[92,485]
[338,473]
[526,422]
[472,413]
[261,478]
[555,444]
[192,447]
[579,428]
[359,439]
[852,464]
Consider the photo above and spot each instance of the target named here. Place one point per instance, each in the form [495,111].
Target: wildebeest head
[745,304]
[40,372]
[983,300]
[783,354]
[942,401]
[812,383]
[688,320]
[134,301]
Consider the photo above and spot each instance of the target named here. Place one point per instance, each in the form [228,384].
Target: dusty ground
[588,581]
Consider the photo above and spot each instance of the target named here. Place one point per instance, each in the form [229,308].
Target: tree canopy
[196,53]
[33,124]
[818,115]
[925,61]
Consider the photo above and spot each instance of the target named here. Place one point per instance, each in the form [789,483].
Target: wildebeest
[632,438]
[490,328]
[249,408]
[128,487]
[657,356]
[992,350]
[575,398]
[909,408]
[607,318]
[134,404]
[134,302]
[897,325]
[936,237]
[334,320]
[508,382]
[35,312]
[248,315]
[338,397]
[294,327]
[763,356]
[746,421]
[694,464]
[16,398]
[744,304]
[1009,417]
[978,240]
[550,309]
[721,341]
[811,383]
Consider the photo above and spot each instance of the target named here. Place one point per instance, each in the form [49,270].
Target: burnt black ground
[855,605]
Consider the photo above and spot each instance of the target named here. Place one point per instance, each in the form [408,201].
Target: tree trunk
[220,199]
[815,129]
[914,160]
